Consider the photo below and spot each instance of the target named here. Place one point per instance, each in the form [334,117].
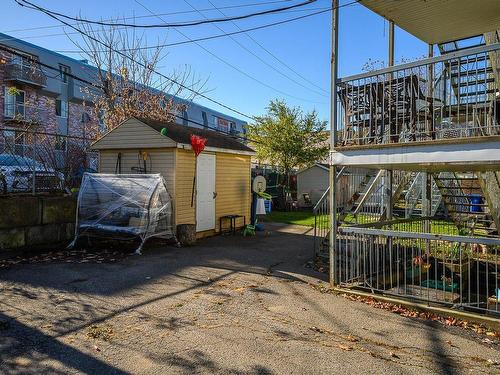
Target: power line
[48,13]
[258,57]
[120,28]
[167,25]
[212,36]
[94,85]
[231,65]
[267,51]
[110,48]
[161,14]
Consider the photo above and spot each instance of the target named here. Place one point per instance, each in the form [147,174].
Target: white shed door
[205,192]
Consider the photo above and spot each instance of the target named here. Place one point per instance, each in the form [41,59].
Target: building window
[222,124]
[64,71]
[101,117]
[14,102]
[23,59]
[85,118]
[61,108]
[232,128]
[61,143]
[205,119]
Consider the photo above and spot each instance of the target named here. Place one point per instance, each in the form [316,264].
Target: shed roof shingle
[182,134]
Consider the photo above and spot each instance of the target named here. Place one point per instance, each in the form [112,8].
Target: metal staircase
[363,202]
[358,185]
[413,197]
[465,201]
[473,81]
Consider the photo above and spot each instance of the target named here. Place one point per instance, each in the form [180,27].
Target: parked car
[16,175]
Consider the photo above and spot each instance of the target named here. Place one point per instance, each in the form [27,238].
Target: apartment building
[419,144]
[37,90]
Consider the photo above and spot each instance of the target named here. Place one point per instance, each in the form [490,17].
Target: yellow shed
[222,170]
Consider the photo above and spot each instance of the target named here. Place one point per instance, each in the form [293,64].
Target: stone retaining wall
[36,220]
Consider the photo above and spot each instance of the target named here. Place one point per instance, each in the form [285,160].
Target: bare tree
[127,83]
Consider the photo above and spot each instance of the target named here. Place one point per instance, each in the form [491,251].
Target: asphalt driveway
[230,305]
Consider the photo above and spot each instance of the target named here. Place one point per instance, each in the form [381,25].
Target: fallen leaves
[409,313]
[451,344]
[101,332]
[448,321]
[206,326]
[67,256]
[320,330]
[344,347]
[351,338]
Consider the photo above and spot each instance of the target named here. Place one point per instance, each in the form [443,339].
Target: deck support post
[387,197]
[333,141]
[388,184]
[427,205]
[430,96]
[390,59]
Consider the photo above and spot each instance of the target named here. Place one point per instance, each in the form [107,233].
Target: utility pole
[333,142]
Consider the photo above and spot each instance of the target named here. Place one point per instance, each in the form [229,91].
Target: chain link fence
[39,162]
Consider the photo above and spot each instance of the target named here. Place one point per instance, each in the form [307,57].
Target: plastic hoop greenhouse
[124,205]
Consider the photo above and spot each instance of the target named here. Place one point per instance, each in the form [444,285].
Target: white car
[16,175]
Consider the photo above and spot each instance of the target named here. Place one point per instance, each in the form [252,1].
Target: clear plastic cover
[124,205]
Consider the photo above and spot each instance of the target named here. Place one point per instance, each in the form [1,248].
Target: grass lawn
[305,218]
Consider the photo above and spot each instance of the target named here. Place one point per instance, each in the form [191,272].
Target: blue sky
[304,45]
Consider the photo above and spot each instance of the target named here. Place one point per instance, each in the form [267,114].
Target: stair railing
[321,212]
[435,198]
[413,195]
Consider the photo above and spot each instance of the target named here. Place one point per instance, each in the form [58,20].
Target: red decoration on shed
[198,144]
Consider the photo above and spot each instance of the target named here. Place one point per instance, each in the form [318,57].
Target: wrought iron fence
[425,259]
[450,96]
[35,162]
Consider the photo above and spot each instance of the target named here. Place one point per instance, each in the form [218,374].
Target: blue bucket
[268,206]
[476,200]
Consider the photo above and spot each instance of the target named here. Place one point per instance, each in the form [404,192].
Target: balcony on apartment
[443,109]
[451,96]
[26,72]
[22,113]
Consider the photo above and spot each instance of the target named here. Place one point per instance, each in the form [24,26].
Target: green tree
[288,138]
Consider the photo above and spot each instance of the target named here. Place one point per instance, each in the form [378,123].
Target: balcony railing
[456,95]
[425,259]
[29,73]
[21,112]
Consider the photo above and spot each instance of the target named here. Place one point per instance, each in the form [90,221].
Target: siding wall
[232,186]
[184,214]
[133,134]
[178,168]
[160,161]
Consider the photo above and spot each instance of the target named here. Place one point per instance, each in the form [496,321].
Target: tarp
[124,205]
